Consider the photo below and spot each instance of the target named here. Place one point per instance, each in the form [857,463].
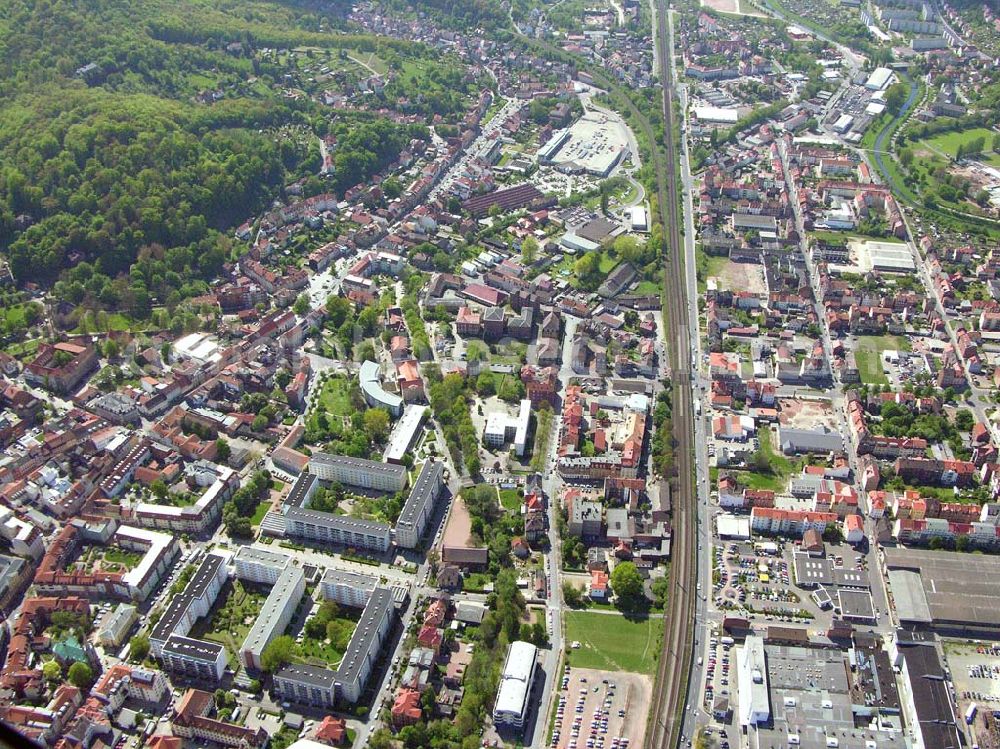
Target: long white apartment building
[420,505]
[274,615]
[367,474]
[169,641]
[511,705]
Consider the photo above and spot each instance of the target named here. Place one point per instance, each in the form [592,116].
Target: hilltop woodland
[121,180]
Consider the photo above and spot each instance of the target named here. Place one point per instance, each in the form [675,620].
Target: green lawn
[782,467]
[229,623]
[336,396]
[647,287]
[868,353]
[949,142]
[510,499]
[612,642]
[260,512]
[128,559]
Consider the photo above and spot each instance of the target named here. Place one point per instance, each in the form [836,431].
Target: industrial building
[274,615]
[502,428]
[367,474]
[420,504]
[511,706]
[942,590]
[879,79]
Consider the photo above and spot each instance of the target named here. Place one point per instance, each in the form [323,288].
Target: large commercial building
[168,640]
[511,705]
[274,615]
[420,504]
[502,428]
[367,474]
[370,379]
[751,672]
[261,566]
[323,687]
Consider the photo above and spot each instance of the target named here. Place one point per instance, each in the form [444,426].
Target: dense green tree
[627,584]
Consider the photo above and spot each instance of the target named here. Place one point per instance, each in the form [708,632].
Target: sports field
[611,642]
[948,143]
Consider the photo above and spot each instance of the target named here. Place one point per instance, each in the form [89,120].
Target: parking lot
[755,579]
[720,675]
[593,709]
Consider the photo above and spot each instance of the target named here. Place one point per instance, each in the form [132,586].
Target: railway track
[674,667]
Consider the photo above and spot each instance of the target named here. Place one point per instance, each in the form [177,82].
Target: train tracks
[674,667]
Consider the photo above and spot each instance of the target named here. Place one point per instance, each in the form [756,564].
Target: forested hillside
[144,130]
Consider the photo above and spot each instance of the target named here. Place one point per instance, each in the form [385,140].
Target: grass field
[647,287]
[949,142]
[260,512]
[336,396]
[868,353]
[510,499]
[230,623]
[781,467]
[612,642]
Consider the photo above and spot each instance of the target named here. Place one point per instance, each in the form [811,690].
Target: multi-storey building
[347,588]
[367,474]
[274,615]
[324,687]
[261,566]
[168,640]
[420,504]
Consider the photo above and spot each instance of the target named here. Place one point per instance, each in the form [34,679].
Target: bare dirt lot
[602,705]
[742,276]
[459,528]
[723,6]
[806,414]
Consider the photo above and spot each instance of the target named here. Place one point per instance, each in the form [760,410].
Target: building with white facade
[367,474]
[337,530]
[511,705]
[752,681]
[502,428]
[347,588]
[261,566]
[202,516]
[420,504]
[274,615]
[323,687]
[370,380]
[169,641]
[117,625]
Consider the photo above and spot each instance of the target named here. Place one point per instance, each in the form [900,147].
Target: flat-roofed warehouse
[947,590]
